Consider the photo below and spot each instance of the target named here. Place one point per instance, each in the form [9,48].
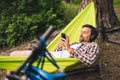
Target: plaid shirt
[86,52]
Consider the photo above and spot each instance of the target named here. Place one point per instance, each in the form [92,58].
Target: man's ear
[93,36]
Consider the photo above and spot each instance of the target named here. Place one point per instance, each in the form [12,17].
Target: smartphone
[63,35]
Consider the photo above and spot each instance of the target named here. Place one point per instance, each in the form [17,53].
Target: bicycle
[30,72]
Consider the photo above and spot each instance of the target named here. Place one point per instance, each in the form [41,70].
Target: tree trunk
[83,4]
[107,22]
[108,40]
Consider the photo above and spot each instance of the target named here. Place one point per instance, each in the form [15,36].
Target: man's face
[85,34]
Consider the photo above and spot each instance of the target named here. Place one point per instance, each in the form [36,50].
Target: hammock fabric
[13,62]
[86,16]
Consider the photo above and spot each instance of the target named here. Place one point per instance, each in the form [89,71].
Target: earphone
[94,32]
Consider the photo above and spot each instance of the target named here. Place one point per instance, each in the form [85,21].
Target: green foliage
[119,18]
[76,2]
[71,10]
[22,20]
[116,3]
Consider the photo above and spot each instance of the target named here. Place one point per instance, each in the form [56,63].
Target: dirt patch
[110,62]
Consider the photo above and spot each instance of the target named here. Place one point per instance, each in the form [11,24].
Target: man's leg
[60,54]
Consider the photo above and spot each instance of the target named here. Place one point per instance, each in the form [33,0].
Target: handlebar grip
[48,32]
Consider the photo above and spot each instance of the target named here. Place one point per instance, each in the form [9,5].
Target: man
[85,50]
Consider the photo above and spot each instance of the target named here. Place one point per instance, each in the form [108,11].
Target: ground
[110,62]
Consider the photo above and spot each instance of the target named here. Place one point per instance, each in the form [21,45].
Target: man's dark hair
[94,32]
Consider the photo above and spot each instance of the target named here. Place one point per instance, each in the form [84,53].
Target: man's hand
[61,43]
[67,45]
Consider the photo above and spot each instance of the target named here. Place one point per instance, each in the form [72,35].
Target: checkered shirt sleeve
[86,53]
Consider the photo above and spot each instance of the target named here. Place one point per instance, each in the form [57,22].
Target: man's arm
[60,45]
[88,57]
[58,49]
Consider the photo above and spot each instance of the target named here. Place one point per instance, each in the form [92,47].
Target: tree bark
[107,22]
[108,26]
[83,4]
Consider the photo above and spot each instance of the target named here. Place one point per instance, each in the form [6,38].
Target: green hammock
[87,16]
[13,62]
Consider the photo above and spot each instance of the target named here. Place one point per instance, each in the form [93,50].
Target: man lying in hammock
[85,50]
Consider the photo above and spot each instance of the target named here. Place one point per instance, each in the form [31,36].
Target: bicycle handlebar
[48,32]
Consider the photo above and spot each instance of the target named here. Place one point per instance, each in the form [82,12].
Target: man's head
[88,33]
